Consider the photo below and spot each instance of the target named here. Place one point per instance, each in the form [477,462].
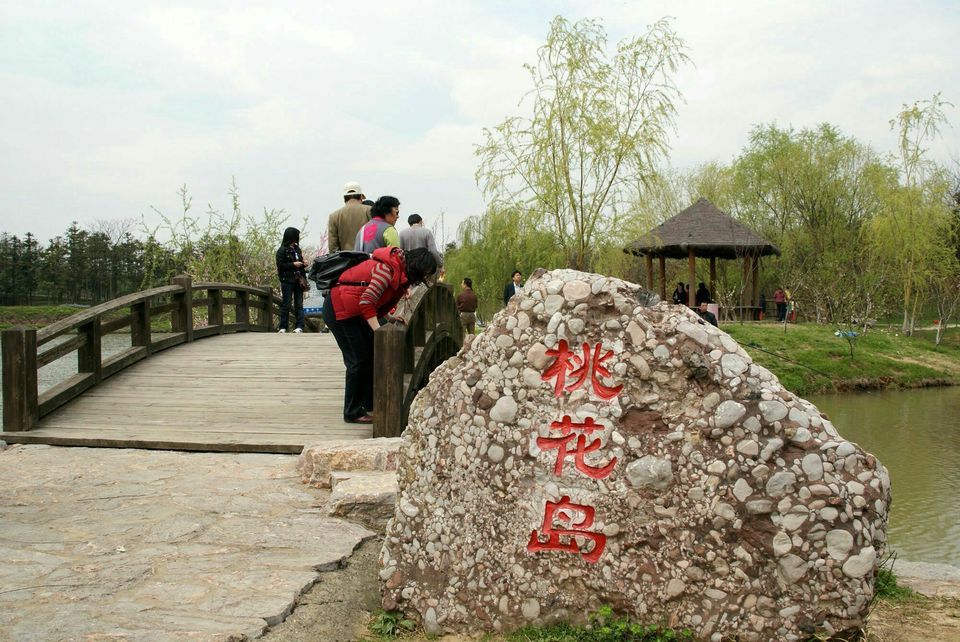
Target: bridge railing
[404,356]
[25,350]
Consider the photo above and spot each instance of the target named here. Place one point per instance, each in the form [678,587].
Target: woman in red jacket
[362,295]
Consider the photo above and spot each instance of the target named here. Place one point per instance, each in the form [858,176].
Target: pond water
[916,434]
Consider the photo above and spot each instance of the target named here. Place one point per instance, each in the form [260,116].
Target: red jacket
[347,298]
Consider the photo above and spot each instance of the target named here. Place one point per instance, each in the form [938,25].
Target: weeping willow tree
[916,227]
[490,247]
[600,124]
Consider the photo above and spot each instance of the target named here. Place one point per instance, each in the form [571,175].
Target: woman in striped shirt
[364,294]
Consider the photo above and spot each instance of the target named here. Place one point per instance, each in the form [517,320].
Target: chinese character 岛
[564,511]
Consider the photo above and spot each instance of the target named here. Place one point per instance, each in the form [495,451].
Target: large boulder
[589,450]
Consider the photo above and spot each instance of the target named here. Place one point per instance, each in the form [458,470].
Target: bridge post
[265,319]
[215,308]
[140,325]
[243,309]
[388,367]
[20,407]
[182,317]
[89,355]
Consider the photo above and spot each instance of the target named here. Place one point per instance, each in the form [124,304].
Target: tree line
[110,258]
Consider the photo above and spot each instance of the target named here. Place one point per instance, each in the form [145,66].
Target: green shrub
[886,586]
[390,624]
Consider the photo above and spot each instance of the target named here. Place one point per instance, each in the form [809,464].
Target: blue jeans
[291,290]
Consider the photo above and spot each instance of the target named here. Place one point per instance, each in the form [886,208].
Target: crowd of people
[366,294]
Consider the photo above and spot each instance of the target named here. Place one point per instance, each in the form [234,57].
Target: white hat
[352,188]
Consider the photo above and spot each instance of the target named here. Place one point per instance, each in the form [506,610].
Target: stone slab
[317,462]
[366,498]
[154,545]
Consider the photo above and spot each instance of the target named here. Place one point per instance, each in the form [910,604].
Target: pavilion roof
[706,229]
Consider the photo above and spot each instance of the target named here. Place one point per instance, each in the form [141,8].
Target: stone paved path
[102,544]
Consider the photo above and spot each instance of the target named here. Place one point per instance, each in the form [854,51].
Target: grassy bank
[809,358]
[34,316]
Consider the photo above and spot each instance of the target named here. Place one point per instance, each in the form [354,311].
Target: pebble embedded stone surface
[733,508]
[155,545]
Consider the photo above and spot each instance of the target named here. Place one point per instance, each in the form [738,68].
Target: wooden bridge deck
[245,392]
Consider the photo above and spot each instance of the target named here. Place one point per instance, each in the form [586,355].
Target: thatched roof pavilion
[702,230]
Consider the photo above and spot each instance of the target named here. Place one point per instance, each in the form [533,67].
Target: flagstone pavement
[112,544]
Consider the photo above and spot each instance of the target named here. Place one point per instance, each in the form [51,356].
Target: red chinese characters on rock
[564,539]
[568,431]
[574,520]
[590,364]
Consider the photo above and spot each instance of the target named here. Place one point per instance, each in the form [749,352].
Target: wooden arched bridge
[144,379]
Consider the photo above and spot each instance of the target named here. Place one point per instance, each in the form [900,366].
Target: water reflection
[916,434]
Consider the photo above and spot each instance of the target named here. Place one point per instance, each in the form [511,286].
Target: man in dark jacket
[513,287]
[289,265]
[707,315]
[467,305]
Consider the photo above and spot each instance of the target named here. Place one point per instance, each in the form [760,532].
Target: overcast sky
[108,107]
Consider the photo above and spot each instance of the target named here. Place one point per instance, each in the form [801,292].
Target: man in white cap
[343,224]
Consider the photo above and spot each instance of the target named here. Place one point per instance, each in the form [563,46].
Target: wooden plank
[136,441]
[60,350]
[169,342]
[106,327]
[121,360]
[61,393]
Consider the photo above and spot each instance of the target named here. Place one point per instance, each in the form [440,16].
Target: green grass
[34,316]
[886,587]
[809,358]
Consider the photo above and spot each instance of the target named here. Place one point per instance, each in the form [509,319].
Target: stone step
[319,461]
[367,498]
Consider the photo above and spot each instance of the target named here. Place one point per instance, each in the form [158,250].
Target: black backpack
[326,269]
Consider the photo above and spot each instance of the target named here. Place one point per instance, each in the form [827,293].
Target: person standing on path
[679,295]
[513,287]
[380,231]
[362,294]
[467,305]
[419,236]
[780,298]
[289,265]
[343,224]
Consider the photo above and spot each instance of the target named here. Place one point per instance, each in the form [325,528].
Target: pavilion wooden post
[755,282]
[743,289]
[663,278]
[692,275]
[649,261]
[713,278]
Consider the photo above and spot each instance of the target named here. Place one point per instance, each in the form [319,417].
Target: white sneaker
[298,331]
[282,331]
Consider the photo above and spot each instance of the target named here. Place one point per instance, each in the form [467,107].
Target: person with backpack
[290,270]
[361,295]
